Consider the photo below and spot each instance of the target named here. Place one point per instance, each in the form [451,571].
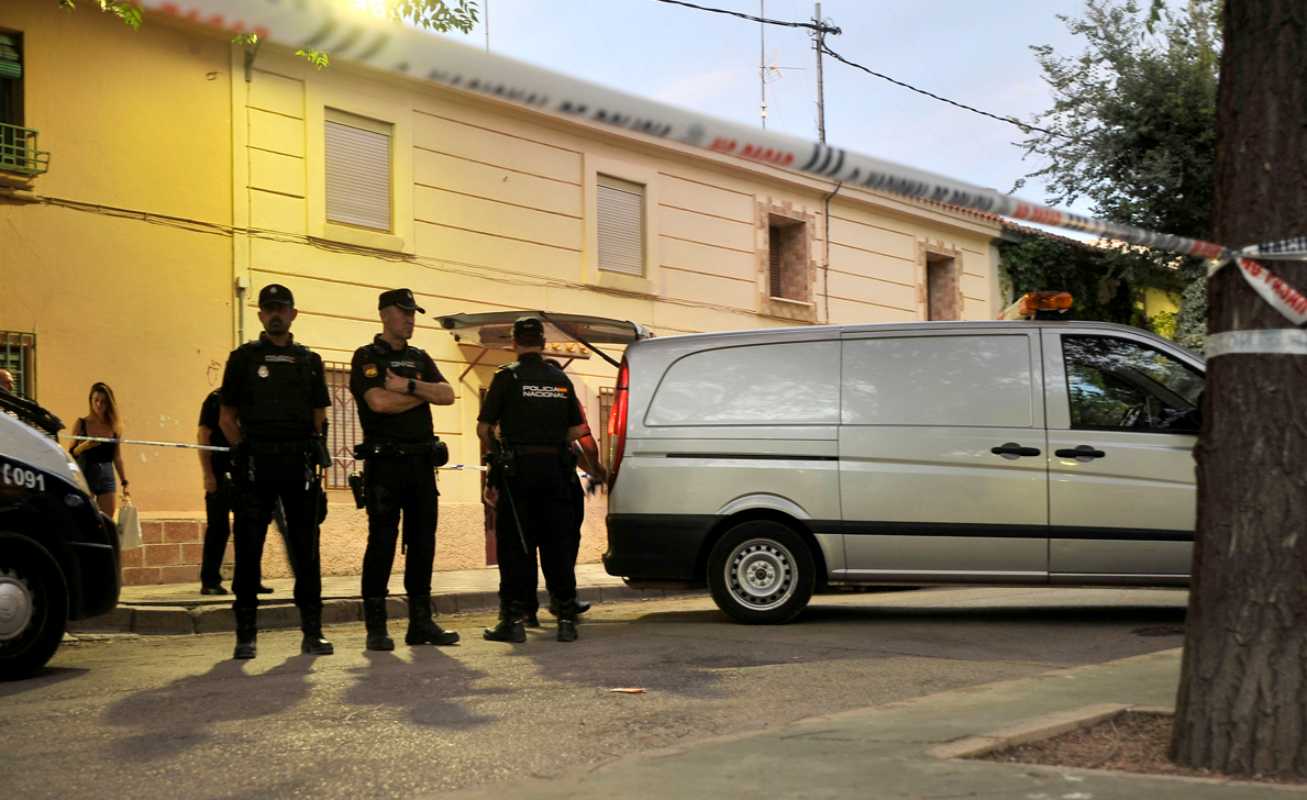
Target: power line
[1024,126]
[813,26]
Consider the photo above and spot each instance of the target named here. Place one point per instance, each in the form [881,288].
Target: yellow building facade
[189,174]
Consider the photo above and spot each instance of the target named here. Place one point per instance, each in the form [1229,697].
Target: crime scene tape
[355,35]
[216,449]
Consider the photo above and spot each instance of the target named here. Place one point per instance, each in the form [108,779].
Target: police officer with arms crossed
[534,404]
[274,408]
[394,386]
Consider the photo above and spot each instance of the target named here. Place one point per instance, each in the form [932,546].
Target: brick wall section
[171,552]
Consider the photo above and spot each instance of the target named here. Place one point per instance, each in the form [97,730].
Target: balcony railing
[19,153]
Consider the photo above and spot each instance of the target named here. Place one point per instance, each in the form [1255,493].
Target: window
[1117,384]
[358,171]
[943,291]
[620,215]
[787,256]
[343,431]
[772,384]
[978,381]
[18,355]
[11,78]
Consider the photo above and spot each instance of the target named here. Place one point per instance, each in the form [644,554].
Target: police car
[58,553]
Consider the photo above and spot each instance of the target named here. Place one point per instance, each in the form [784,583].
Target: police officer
[534,405]
[274,408]
[394,386]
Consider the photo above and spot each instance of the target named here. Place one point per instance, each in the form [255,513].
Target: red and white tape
[365,39]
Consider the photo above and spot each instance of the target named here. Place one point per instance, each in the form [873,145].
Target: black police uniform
[217,504]
[534,404]
[398,476]
[275,391]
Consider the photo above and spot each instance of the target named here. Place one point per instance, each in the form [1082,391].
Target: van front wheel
[761,573]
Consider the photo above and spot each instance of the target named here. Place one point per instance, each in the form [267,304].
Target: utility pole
[819,42]
[487,21]
[762,60]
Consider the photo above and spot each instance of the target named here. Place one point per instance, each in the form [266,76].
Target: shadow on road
[161,723]
[1041,615]
[46,677]
[433,690]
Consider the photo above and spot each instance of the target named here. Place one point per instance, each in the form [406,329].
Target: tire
[761,573]
[33,606]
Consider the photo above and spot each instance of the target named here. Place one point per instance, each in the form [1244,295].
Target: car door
[1122,424]
[942,456]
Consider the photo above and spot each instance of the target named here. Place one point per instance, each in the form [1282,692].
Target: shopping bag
[129,527]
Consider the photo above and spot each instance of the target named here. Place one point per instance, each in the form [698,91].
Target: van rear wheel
[33,606]
[761,573]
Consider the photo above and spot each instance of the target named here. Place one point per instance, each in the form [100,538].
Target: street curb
[211,617]
[1031,730]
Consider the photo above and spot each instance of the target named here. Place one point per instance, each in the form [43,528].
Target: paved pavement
[879,678]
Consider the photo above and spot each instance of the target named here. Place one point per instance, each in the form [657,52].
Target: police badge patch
[263,370]
[370,371]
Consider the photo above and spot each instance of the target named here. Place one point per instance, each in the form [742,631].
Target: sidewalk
[179,608]
[902,750]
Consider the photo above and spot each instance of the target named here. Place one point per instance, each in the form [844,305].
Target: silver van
[776,463]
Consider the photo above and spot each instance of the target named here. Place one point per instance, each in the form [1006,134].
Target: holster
[359,490]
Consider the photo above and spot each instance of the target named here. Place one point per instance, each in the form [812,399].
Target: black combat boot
[510,628]
[314,643]
[567,621]
[581,607]
[421,628]
[374,618]
[247,632]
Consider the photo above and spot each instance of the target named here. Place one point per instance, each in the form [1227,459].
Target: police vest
[277,397]
[539,404]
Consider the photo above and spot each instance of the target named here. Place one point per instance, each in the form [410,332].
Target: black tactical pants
[540,499]
[284,478]
[217,530]
[395,485]
[558,571]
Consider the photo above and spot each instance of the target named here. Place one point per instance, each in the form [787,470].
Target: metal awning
[494,330]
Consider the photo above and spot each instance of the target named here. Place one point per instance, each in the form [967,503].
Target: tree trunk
[1242,704]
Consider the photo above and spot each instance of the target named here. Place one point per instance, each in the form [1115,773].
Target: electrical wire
[1024,126]
[820,27]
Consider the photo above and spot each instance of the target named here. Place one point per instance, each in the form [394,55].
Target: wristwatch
[412,386]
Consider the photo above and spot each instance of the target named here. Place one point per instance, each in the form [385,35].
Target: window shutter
[358,176]
[620,211]
[11,63]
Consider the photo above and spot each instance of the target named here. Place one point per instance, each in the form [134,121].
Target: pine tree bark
[1242,704]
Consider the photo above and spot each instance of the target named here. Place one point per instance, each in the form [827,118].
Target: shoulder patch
[369,370]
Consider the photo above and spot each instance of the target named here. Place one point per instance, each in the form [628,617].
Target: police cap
[528,328]
[399,297]
[274,294]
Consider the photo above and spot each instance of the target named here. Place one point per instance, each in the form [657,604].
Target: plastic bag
[129,527]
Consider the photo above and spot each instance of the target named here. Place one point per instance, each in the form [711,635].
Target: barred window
[18,355]
[343,431]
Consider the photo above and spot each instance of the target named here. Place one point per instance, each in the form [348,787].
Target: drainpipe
[825,267]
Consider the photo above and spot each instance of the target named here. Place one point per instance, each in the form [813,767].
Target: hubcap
[15,606]
[760,574]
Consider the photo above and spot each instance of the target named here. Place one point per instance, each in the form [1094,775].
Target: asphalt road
[174,717]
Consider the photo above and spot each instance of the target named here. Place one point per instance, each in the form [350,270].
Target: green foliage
[317,58]
[1107,285]
[130,14]
[1134,132]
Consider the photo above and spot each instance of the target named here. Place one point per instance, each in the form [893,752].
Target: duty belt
[537,449]
[279,448]
[367,450]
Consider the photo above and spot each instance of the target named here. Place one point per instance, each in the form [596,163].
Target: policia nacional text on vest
[394,385]
[274,401]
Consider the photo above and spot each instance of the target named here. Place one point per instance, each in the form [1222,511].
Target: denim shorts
[100,477]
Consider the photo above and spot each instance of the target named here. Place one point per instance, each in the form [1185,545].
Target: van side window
[769,384]
[1118,384]
[967,381]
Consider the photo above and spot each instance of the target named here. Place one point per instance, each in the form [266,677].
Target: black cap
[528,328]
[274,294]
[399,297]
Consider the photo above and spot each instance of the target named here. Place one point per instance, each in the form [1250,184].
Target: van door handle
[1084,452]
[1012,450]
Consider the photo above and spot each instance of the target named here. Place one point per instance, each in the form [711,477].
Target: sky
[973,51]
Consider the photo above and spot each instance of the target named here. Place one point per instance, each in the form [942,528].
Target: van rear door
[943,469]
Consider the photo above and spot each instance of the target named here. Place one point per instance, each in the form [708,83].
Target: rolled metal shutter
[620,212]
[358,176]
[11,62]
